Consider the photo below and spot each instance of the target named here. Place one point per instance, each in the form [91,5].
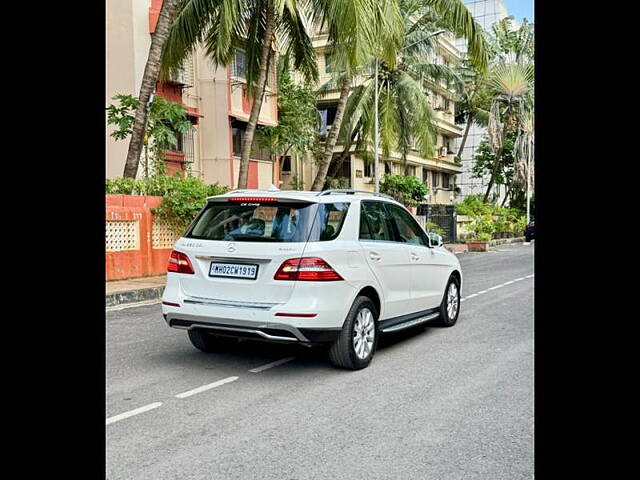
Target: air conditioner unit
[443,151]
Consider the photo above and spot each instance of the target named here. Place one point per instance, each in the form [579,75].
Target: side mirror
[435,240]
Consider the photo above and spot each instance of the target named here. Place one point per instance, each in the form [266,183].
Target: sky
[520,9]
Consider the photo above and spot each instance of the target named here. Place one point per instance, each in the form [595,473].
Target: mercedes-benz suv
[336,268]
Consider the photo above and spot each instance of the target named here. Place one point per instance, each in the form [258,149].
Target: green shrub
[483,237]
[182,198]
[407,190]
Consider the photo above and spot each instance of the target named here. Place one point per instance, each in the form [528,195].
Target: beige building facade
[214,98]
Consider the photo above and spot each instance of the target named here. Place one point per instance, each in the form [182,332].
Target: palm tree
[407,120]
[255,25]
[356,31]
[405,114]
[149,78]
[513,86]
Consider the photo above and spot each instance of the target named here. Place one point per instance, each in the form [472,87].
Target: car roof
[326,196]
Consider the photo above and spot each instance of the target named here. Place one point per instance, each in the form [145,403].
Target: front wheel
[355,346]
[450,306]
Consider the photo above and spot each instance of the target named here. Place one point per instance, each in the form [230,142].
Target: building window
[436,179]
[327,63]
[286,164]
[327,116]
[411,170]
[425,176]
[240,64]
[446,143]
[387,167]
[368,169]
[445,180]
[237,134]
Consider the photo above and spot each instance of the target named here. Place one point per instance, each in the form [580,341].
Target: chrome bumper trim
[236,325]
[233,329]
[229,303]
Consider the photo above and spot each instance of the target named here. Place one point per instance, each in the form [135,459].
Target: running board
[411,323]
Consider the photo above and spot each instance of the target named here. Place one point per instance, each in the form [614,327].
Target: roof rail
[348,191]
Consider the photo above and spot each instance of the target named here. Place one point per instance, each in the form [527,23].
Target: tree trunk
[332,137]
[499,155]
[465,135]
[337,165]
[149,79]
[247,140]
[493,176]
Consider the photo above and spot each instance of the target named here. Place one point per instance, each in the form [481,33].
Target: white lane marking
[496,286]
[204,388]
[271,365]
[131,413]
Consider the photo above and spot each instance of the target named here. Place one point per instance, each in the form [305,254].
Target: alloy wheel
[452,301]
[364,333]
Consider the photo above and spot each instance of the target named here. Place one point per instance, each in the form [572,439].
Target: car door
[388,259]
[426,271]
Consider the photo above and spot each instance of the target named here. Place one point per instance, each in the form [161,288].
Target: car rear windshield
[269,222]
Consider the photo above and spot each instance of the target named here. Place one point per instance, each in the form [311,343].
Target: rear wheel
[450,306]
[355,346]
[206,342]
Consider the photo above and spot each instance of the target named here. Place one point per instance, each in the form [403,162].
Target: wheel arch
[372,293]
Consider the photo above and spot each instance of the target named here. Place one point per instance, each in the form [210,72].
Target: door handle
[374,256]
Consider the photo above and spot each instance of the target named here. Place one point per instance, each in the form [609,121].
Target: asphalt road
[435,403]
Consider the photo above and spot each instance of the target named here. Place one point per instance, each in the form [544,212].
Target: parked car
[530,231]
[336,267]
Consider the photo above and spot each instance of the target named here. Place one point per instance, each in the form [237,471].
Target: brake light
[307,269]
[179,263]
[253,199]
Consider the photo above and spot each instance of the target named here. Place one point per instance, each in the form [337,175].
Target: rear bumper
[265,331]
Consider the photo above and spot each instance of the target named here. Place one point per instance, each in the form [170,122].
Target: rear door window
[269,222]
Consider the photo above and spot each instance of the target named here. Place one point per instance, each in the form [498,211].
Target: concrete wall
[145,260]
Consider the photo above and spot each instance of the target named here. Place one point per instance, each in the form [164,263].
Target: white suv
[337,267]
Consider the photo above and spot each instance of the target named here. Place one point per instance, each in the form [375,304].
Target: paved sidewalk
[134,290]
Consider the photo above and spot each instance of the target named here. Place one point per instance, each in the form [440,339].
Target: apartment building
[439,172]
[214,98]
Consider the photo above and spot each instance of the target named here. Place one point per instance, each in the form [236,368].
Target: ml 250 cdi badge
[337,267]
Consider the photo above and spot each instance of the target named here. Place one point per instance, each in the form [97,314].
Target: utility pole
[529,186]
[375,162]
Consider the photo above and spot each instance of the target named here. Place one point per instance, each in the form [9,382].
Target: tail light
[253,199]
[179,263]
[307,269]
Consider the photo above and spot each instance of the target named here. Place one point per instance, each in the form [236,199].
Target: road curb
[503,241]
[134,296]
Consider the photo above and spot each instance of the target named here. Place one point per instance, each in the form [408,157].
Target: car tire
[360,324]
[450,305]
[527,238]
[206,342]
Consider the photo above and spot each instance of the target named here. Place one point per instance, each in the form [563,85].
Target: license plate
[233,270]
